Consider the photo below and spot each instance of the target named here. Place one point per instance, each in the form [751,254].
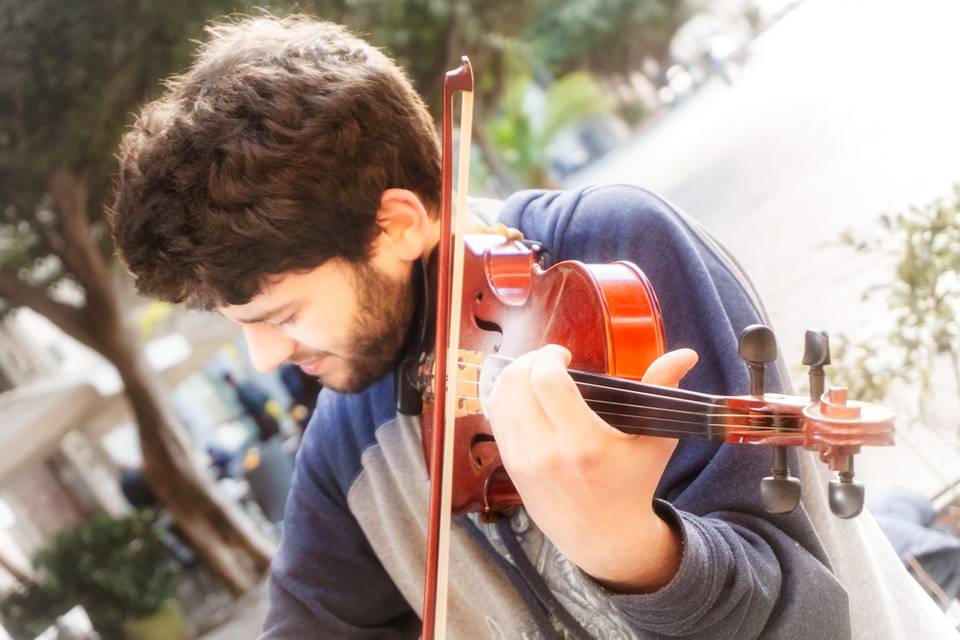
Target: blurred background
[144,463]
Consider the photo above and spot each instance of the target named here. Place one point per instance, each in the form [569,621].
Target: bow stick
[449,290]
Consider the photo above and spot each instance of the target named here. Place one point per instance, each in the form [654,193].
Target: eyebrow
[268,315]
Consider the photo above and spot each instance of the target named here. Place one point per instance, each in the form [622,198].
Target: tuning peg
[758,348]
[846,496]
[780,492]
[816,354]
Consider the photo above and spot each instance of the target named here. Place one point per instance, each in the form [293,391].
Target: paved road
[244,618]
[847,109]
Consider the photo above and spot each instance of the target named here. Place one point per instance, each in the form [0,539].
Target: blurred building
[66,429]
[21,362]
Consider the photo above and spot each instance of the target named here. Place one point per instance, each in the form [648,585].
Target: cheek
[325,327]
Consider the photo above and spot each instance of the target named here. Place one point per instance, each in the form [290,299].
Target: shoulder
[342,427]
[610,217]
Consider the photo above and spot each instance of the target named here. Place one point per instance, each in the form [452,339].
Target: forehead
[330,281]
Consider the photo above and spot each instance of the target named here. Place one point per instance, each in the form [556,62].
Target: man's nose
[268,346]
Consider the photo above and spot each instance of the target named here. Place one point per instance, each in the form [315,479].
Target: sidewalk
[242,619]
[811,142]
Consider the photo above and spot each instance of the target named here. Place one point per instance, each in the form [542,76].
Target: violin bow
[449,296]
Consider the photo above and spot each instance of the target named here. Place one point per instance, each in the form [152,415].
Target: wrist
[648,560]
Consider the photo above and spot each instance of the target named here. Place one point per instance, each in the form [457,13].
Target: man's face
[343,323]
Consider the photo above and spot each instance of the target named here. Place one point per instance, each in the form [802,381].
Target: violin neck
[643,409]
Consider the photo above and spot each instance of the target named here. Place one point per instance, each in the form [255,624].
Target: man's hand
[588,486]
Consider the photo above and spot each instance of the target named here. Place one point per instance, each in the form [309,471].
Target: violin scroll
[832,425]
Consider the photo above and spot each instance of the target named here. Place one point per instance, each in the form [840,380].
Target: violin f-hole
[483,449]
[490,327]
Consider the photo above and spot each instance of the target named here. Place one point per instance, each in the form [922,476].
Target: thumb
[669,369]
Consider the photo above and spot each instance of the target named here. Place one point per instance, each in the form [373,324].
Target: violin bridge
[467,382]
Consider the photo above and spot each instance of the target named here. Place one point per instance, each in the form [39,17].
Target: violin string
[751,427]
[727,413]
[628,405]
[679,433]
[746,426]
[699,430]
[725,425]
[610,388]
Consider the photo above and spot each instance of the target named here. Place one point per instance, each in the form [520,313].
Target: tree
[73,72]
[524,140]
[427,38]
[607,37]
[509,42]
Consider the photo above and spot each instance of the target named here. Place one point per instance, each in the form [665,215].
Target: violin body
[606,315]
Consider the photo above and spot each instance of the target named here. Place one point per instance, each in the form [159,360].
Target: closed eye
[288,320]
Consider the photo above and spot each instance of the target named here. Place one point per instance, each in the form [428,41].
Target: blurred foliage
[923,300]
[73,73]
[116,568]
[27,613]
[512,46]
[427,37]
[608,37]
[523,134]
[76,71]
[552,37]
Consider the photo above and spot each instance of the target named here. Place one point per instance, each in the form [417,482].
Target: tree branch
[80,253]
[506,182]
[49,241]
[68,318]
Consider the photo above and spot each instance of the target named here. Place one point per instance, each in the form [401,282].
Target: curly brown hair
[268,155]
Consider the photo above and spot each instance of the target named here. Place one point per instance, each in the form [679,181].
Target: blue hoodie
[351,561]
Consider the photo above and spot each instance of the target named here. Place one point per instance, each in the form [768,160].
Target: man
[290,180]
[254,401]
[303,390]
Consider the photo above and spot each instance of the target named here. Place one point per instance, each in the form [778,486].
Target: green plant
[27,613]
[116,568]
[523,139]
[923,300]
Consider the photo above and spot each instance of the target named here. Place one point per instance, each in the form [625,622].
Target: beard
[379,327]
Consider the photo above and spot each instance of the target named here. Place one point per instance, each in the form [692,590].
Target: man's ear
[404,224]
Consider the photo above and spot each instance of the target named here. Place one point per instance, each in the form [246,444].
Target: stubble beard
[380,325]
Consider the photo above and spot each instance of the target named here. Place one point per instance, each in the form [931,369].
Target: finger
[515,412]
[556,391]
[669,369]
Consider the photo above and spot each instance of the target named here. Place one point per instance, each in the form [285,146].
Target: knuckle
[509,377]
[546,379]
[543,461]
[586,458]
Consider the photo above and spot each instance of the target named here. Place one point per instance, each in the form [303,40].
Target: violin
[497,299]
[608,317]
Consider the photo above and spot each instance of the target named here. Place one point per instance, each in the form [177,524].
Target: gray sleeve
[326,581]
[729,585]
